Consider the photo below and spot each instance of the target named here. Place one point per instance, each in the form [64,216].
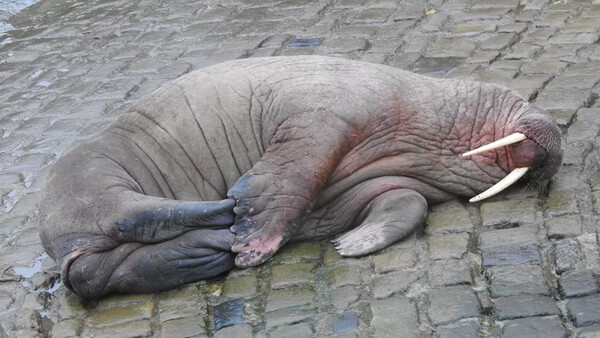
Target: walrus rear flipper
[139,268]
[153,219]
[146,244]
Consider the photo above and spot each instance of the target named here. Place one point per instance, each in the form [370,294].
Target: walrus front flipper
[389,217]
[274,196]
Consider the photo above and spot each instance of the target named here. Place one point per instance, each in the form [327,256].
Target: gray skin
[224,165]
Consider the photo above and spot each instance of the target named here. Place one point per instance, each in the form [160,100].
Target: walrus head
[533,148]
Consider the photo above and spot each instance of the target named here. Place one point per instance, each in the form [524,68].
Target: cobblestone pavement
[520,265]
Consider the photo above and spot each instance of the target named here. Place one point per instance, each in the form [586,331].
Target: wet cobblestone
[524,306]
[534,327]
[523,264]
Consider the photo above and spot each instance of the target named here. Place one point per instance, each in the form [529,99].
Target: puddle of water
[29,271]
[54,287]
[36,74]
[50,286]
[9,8]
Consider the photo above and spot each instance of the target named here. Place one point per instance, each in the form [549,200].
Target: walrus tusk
[503,184]
[510,139]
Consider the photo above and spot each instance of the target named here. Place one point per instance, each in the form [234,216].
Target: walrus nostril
[529,154]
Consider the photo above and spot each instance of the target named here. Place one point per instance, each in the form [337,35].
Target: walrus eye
[510,178]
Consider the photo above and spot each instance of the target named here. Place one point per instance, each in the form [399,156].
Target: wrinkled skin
[304,147]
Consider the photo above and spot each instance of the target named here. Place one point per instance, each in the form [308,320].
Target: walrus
[224,165]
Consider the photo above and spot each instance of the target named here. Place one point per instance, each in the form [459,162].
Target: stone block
[498,41]
[553,19]
[295,298]
[585,126]
[575,38]
[372,15]
[511,255]
[120,315]
[524,306]
[567,255]
[434,66]
[359,31]
[449,272]
[343,297]
[31,162]
[182,302]
[285,318]
[448,246]
[289,275]
[473,28]
[433,23]
[564,226]
[343,45]
[585,68]
[588,24]
[592,331]
[494,214]
[514,280]
[450,217]
[296,331]
[392,283]
[470,329]
[22,56]
[522,52]
[544,66]
[485,13]
[512,27]
[299,252]
[243,286]
[509,236]
[585,310]
[550,327]
[395,30]
[562,112]
[560,203]
[447,305]
[538,36]
[578,283]
[344,275]
[563,53]
[393,260]
[182,327]
[405,318]
[243,330]
[573,81]
[481,56]
[528,85]
[384,45]
[451,48]
[496,4]
[411,11]
[139,328]
[66,328]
